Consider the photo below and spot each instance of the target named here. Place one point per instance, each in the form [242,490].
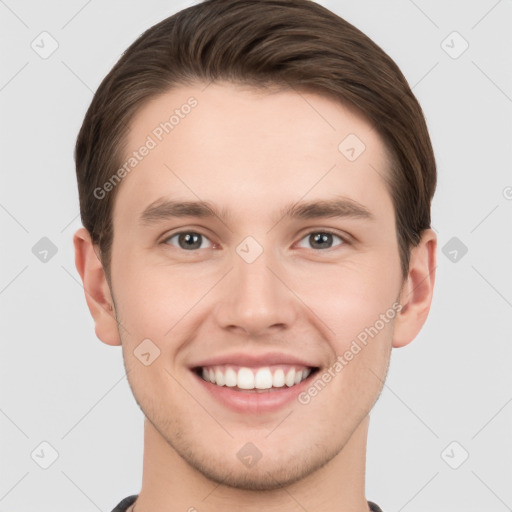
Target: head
[255,108]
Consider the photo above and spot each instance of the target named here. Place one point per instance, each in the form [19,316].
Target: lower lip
[252,401]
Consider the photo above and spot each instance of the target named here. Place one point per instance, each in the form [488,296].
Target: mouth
[264,379]
[254,383]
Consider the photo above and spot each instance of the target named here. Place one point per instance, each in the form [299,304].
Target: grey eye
[188,240]
[321,239]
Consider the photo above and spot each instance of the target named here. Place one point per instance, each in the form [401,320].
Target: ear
[97,290]
[417,290]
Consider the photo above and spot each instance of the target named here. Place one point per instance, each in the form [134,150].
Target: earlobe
[96,288]
[417,291]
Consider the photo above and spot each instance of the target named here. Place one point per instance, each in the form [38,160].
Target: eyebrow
[164,209]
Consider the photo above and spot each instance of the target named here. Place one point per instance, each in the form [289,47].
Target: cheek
[153,299]
[350,298]
[347,296]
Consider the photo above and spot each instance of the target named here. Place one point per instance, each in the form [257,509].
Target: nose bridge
[255,298]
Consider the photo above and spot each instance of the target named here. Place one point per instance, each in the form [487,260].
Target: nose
[256,298]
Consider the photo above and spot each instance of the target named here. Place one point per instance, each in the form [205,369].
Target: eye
[322,239]
[187,240]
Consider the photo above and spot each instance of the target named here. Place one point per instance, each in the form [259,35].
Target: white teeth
[263,379]
[278,378]
[245,378]
[230,378]
[249,378]
[219,378]
[290,377]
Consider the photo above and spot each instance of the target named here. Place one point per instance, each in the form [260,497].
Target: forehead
[249,147]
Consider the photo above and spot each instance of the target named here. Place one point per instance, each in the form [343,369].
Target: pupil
[191,241]
[322,239]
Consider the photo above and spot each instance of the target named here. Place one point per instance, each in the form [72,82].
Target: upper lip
[254,360]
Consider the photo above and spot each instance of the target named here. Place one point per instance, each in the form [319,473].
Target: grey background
[61,385]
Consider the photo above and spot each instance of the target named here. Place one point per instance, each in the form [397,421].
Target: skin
[250,153]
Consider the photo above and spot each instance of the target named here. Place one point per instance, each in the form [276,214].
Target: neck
[170,484]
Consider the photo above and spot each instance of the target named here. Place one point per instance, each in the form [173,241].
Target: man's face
[250,287]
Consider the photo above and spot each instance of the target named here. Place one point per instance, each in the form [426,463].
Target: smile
[262,379]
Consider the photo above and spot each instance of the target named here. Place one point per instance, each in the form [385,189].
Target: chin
[267,474]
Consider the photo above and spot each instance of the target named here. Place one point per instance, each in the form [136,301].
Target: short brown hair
[260,43]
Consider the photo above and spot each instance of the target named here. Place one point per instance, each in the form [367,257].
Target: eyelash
[322,231]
